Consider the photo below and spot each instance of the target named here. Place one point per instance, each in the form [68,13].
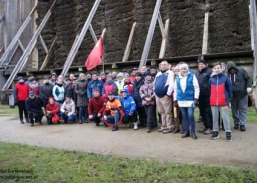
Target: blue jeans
[188,118]
[68,118]
[83,113]
[114,119]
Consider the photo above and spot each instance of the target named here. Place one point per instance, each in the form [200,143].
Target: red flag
[95,57]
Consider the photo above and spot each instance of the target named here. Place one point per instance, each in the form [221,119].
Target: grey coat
[146,90]
[81,92]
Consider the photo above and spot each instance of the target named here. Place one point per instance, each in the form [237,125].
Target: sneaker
[228,136]
[40,123]
[161,130]
[186,134]
[242,128]
[22,122]
[148,130]
[80,122]
[181,131]
[167,131]
[202,131]
[194,135]
[27,120]
[135,126]
[215,135]
[115,128]
[31,125]
[176,130]
[236,126]
[207,132]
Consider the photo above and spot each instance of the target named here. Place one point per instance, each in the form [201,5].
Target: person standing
[95,83]
[45,91]
[203,76]
[120,82]
[82,100]
[34,86]
[34,106]
[221,89]
[241,87]
[110,86]
[163,88]
[59,92]
[147,94]
[96,107]
[21,93]
[186,94]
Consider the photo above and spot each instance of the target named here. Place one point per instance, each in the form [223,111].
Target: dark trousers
[150,111]
[83,113]
[129,118]
[205,111]
[34,117]
[22,109]
[142,116]
[96,119]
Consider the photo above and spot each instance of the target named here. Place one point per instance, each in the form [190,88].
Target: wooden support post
[205,34]
[254,37]
[48,54]
[43,43]
[129,44]
[93,33]
[161,25]
[150,33]
[1,18]
[164,38]
[21,45]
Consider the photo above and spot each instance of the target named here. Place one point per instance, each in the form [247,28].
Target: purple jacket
[146,90]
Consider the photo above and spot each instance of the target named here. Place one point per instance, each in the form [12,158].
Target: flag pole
[102,35]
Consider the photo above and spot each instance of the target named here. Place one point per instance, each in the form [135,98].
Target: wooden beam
[161,24]
[164,39]
[129,44]
[93,33]
[21,45]
[254,38]
[1,18]
[48,54]
[43,43]
[205,34]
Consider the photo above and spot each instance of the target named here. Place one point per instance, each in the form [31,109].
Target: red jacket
[53,108]
[96,105]
[21,92]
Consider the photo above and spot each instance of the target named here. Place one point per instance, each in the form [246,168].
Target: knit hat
[102,74]
[111,93]
[148,73]
[139,74]
[54,73]
[153,67]
[177,67]
[109,75]
[81,75]
[96,90]
[184,66]
[202,61]
[134,69]
[120,75]
[46,78]
[126,75]
[20,78]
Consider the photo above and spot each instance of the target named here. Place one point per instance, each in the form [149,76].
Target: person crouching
[113,110]
[34,106]
[52,111]
[68,110]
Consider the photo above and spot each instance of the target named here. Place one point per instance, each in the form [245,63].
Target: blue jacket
[128,103]
[189,93]
[93,85]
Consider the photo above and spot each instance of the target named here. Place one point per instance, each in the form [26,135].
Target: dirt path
[241,151]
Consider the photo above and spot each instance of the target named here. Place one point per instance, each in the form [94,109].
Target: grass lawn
[23,163]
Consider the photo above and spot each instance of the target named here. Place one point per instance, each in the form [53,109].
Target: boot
[186,134]
[115,128]
[80,122]
[135,126]
[236,126]
[228,136]
[27,120]
[22,122]
[176,130]
[242,128]
[194,135]
[215,135]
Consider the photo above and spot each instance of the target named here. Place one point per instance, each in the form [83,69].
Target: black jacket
[240,80]
[45,92]
[203,78]
[34,105]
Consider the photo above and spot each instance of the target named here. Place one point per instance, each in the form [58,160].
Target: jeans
[68,118]
[224,112]
[83,113]
[239,108]
[188,118]
[22,108]
[149,110]
[205,111]
[114,119]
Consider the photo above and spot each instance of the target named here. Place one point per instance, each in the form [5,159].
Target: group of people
[143,98]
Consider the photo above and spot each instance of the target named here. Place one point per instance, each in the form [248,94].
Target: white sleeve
[72,109]
[175,91]
[170,82]
[63,107]
[196,87]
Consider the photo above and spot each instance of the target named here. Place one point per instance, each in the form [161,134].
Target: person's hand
[105,118]
[196,102]
[131,113]
[176,103]
[48,112]
[66,113]
[249,90]
[99,115]
[90,116]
